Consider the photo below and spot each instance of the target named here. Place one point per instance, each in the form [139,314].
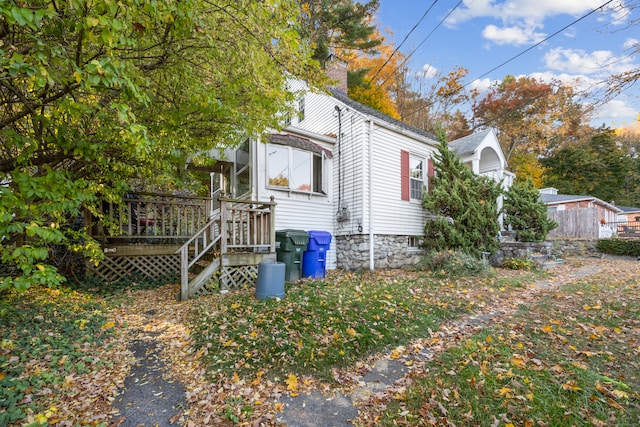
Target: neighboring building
[629,214]
[580,216]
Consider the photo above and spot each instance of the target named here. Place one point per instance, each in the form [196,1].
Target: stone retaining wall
[543,251]
[576,247]
[390,251]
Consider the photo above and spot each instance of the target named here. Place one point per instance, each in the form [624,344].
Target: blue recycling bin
[314,259]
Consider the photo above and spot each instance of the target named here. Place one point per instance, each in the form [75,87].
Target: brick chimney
[337,71]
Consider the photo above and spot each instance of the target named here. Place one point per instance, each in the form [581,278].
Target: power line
[540,42]
[373,79]
[520,54]
[422,42]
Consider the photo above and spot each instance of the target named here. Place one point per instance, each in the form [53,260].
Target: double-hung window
[415,173]
[416,177]
[295,169]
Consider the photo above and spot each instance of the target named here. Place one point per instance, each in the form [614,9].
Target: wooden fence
[578,223]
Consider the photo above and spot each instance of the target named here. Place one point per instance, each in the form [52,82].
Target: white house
[355,172]
[336,166]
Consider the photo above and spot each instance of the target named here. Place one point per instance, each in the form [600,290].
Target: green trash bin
[291,244]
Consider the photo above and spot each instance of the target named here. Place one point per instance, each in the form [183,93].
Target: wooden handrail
[242,224]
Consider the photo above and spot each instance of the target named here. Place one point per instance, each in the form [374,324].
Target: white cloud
[519,18]
[631,44]
[578,61]
[615,113]
[482,85]
[531,10]
[429,71]
[511,35]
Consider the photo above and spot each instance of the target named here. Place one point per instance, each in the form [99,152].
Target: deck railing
[248,225]
[627,228]
[239,226]
[156,216]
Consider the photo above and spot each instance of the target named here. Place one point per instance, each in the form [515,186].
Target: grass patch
[47,336]
[571,359]
[325,324]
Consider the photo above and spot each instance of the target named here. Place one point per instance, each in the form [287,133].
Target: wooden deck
[165,236]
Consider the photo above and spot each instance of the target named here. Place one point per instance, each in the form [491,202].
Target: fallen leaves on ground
[227,382]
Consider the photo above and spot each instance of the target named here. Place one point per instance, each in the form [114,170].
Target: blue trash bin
[270,280]
[314,259]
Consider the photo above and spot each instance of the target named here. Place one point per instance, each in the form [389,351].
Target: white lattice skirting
[116,268]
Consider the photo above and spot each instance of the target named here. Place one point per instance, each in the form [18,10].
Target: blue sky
[481,34]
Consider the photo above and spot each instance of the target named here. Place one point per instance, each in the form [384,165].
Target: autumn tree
[433,102]
[626,79]
[525,213]
[338,25]
[370,76]
[599,168]
[628,137]
[95,94]
[464,206]
[531,117]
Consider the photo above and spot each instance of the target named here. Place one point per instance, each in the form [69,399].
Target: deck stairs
[224,254]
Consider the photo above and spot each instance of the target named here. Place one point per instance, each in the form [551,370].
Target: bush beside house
[464,205]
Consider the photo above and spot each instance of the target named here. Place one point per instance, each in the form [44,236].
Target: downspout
[371,234]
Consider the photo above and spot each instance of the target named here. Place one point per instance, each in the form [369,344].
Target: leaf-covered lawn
[58,358]
[567,356]
[571,359]
[321,325]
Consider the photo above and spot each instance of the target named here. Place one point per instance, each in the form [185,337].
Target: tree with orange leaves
[533,119]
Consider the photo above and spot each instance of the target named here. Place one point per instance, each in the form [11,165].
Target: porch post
[184,274]
[272,228]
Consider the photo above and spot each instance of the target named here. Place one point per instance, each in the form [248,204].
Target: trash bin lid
[298,237]
[320,236]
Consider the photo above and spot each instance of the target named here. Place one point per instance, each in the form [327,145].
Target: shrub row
[619,247]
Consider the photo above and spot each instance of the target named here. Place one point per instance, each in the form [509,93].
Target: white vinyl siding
[301,210]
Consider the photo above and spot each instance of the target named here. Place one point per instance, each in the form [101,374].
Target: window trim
[422,179]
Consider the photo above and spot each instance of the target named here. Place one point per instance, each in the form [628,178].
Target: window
[414,243]
[301,109]
[294,169]
[242,170]
[413,172]
[416,177]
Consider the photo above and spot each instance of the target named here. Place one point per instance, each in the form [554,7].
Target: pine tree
[526,213]
[464,205]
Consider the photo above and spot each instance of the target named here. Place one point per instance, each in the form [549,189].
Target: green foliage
[464,205]
[519,264]
[453,264]
[600,168]
[622,247]
[97,96]
[526,213]
[47,337]
[338,24]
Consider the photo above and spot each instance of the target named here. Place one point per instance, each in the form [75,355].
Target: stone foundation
[390,251]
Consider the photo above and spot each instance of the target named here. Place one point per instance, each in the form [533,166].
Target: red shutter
[404,175]
[430,174]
